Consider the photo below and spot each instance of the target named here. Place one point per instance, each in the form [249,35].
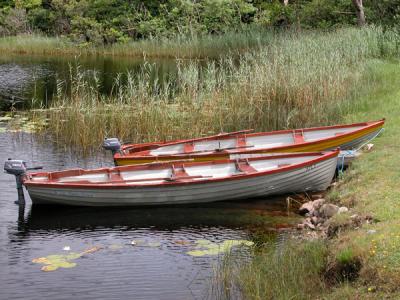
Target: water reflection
[36,77]
[223,214]
[119,270]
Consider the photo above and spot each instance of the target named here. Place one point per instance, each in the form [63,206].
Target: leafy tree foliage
[109,21]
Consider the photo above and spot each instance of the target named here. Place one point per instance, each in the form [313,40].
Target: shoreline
[355,254]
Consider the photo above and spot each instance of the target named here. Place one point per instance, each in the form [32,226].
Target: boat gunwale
[367,125]
[323,156]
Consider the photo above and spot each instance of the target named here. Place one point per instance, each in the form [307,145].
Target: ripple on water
[157,266]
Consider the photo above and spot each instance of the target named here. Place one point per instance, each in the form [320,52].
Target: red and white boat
[230,145]
[180,182]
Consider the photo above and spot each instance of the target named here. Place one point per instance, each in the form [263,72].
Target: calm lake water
[29,77]
[158,266]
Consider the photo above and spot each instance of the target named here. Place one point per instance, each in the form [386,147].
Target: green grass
[178,47]
[298,80]
[370,187]
[288,271]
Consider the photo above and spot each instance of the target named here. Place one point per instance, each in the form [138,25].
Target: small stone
[307,223]
[306,208]
[371,231]
[318,203]
[342,210]
[368,147]
[315,220]
[311,226]
[300,226]
[354,216]
[328,210]
[316,196]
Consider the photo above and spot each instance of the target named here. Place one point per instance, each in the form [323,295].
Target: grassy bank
[179,47]
[372,187]
[296,81]
[358,263]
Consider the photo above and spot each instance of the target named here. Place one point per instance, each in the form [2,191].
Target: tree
[360,12]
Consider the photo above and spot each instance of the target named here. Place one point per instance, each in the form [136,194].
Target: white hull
[316,177]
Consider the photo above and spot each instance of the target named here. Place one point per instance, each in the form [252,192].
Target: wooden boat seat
[179,173]
[188,147]
[244,167]
[115,176]
[241,142]
[298,137]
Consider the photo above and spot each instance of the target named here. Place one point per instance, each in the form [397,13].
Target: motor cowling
[112,144]
[15,167]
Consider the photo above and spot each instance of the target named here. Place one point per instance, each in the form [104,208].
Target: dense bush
[108,21]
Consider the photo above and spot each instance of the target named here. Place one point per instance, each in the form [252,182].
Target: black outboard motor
[18,168]
[112,144]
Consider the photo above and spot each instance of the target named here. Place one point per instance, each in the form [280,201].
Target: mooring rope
[348,153]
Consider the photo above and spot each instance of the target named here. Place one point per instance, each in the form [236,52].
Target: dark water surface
[157,267]
[24,78]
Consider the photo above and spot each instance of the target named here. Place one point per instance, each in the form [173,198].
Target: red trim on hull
[249,174]
[146,154]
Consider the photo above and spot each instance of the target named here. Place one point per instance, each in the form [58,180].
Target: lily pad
[182,242]
[56,261]
[205,247]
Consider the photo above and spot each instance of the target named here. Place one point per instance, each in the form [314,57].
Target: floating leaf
[203,242]
[196,253]
[210,248]
[56,261]
[182,242]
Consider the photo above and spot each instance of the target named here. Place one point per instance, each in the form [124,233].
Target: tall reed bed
[172,47]
[299,79]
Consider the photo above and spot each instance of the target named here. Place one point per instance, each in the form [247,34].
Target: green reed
[289,271]
[162,47]
[297,80]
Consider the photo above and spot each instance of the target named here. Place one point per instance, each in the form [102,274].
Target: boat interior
[166,172]
[248,142]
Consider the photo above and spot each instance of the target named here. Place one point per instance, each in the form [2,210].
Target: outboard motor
[18,168]
[15,167]
[112,144]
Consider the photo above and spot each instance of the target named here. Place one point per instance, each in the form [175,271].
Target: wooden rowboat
[183,182]
[227,146]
